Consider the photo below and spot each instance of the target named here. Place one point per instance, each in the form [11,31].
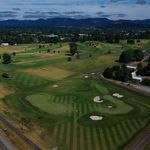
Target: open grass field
[59,116]
[49,73]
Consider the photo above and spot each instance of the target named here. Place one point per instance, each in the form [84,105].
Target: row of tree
[144,70]
[121,73]
[6,58]
[131,55]
[36,35]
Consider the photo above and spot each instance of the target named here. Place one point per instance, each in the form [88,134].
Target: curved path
[21,136]
[5,144]
[141,143]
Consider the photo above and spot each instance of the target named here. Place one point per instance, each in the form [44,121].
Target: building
[5,44]
[134,75]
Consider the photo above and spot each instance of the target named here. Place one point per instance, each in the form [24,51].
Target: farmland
[55,100]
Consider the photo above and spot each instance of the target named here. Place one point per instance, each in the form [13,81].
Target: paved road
[141,143]
[141,87]
[17,132]
[5,144]
[2,146]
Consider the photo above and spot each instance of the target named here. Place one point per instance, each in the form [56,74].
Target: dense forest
[54,35]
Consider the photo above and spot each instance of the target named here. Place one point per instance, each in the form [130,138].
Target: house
[5,44]
[134,75]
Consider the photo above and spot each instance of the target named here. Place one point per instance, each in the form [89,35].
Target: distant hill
[75,23]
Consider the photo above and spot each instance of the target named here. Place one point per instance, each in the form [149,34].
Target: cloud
[141,2]
[16,9]
[8,14]
[112,9]
[73,12]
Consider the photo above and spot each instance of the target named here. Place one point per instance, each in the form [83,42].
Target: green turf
[64,112]
[45,103]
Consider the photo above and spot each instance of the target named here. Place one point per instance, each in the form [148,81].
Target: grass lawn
[62,114]
[49,73]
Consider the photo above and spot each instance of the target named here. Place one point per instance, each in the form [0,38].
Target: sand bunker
[96,118]
[118,95]
[97,99]
[110,107]
[55,86]
[93,73]
[86,77]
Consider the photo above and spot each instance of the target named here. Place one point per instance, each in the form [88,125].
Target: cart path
[18,133]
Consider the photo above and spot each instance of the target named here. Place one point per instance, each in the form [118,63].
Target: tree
[73,48]
[69,59]
[138,41]
[139,69]
[90,55]
[6,58]
[78,55]
[119,74]
[131,41]
[126,73]
[117,39]
[14,53]
[108,73]
[125,57]
[138,55]
[148,65]
[48,50]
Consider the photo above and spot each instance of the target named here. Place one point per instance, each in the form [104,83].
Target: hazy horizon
[111,9]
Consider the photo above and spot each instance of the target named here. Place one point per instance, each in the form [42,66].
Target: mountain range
[75,23]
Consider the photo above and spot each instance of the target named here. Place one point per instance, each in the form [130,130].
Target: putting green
[120,106]
[45,103]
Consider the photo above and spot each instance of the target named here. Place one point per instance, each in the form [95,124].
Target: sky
[43,9]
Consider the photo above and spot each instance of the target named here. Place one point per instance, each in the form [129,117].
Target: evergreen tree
[108,73]
[6,58]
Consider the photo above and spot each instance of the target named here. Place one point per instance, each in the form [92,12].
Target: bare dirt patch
[4,91]
[10,49]
[49,73]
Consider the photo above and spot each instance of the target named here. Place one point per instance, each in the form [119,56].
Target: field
[55,100]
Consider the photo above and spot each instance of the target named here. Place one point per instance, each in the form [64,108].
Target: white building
[5,44]
[134,75]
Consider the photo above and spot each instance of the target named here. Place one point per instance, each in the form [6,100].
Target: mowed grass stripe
[82,139]
[58,132]
[74,145]
[62,128]
[92,139]
[113,138]
[140,122]
[55,131]
[115,135]
[120,131]
[98,138]
[78,138]
[64,133]
[68,134]
[125,129]
[107,138]
[135,124]
[85,139]
[110,138]
[89,142]
[103,140]
[132,128]
[71,135]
